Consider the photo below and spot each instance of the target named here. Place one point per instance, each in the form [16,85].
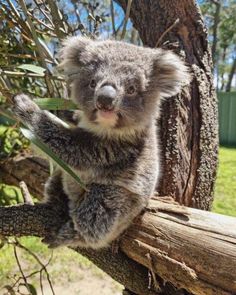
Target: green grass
[225,190]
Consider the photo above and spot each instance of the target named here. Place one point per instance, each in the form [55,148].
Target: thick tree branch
[192,249]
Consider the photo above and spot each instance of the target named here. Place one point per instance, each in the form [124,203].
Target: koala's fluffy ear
[71,54]
[170,73]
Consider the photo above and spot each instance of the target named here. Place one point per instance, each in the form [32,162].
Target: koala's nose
[106,97]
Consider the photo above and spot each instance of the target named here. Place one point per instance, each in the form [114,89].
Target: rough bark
[193,250]
[33,170]
[188,125]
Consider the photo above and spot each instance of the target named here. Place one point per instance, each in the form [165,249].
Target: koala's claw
[24,107]
[64,237]
[50,241]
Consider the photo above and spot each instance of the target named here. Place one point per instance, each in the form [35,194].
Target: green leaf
[32,68]
[55,104]
[29,135]
[32,289]
[7,116]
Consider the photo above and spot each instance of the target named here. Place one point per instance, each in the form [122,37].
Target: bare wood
[25,193]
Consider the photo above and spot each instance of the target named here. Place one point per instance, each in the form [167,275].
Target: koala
[118,88]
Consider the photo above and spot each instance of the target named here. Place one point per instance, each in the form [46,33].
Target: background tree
[220,17]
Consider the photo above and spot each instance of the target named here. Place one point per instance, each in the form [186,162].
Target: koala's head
[119,85]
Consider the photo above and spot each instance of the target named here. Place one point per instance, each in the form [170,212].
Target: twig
[44,13]
[41,22]
[17,19]
[20,269]
[113,18]
[44,266]
[127,13]
[59,26]
[25,74]
[167,31]
[25,193]
[41,51]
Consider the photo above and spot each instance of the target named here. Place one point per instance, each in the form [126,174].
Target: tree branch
[181,245]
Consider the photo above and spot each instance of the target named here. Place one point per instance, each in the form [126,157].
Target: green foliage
[225,190]
[11,142]
[54,104]
[10,195]
[32,68]
[225,38]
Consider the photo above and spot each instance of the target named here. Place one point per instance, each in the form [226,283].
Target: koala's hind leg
[54,193]
[105,212]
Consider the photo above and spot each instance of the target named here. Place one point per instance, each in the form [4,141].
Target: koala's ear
[72,55]
[170,73]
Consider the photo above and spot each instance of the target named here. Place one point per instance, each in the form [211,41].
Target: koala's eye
[92,83]
[131,90]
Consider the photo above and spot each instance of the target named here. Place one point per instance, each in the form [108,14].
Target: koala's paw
[24,107]
[66,236]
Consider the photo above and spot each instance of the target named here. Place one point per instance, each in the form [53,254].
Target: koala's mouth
[106,118]
[106,114]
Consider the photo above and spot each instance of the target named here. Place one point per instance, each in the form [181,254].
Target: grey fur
[115,153]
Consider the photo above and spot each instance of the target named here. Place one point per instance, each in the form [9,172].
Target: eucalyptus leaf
[7,116]
[55,104]
[32,68]
[32,289]
[39,144]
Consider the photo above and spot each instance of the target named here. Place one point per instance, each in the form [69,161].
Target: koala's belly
[72,188]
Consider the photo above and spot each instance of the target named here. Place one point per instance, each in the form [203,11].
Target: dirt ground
[70,273]
[87,284]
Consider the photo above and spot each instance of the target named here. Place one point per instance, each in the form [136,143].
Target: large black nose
[106,98]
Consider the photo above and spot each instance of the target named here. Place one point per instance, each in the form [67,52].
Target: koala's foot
[66,236]
[24,107]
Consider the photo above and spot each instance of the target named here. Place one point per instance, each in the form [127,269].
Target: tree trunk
[223,70]
[189,123]
[215,28]
[231,75]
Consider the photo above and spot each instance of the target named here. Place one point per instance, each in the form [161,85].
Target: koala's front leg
[50,129]
[25,109]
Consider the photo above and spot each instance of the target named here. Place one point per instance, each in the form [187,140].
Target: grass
[225,190]
[66,265]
